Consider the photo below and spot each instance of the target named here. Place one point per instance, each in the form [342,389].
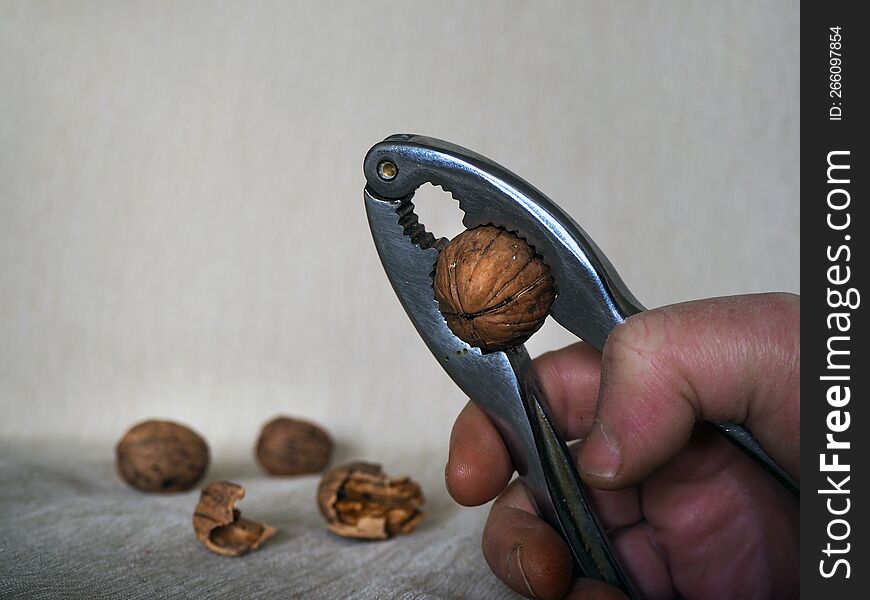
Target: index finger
[479,466]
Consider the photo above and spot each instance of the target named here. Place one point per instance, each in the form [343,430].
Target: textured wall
[181,225]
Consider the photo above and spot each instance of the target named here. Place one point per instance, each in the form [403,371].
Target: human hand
[688,514]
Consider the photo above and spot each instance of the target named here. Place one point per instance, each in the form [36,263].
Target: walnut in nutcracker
[161,456]
[492,288]
[360,501]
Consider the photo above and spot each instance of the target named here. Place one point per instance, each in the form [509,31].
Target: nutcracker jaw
[409,254]
[592,299]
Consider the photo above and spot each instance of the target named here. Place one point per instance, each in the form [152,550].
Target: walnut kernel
[359,500]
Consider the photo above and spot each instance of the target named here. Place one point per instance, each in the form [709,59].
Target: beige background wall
[181,225]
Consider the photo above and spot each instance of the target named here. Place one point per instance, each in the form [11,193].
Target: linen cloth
[70,528]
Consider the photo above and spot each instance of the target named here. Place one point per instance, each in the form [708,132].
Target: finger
[744,510]
[728,359]
[522,550]
[569,379]
[633,539]
[643,561]
[615,509]
[592,589]
[478,465]
[529,556]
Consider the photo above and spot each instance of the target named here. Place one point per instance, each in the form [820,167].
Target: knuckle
[638,340]
[644,366]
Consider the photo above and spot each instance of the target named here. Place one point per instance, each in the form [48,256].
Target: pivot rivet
[387,170]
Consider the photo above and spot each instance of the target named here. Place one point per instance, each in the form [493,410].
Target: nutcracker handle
[547,469]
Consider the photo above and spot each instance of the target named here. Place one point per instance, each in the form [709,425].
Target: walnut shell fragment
[161,456]
[220,526]
[360,501]
[492,288]
[293,447]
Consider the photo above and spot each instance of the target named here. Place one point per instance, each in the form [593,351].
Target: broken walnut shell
[161,456]
[220,526]
[293,447]
[492,289]
[360,501]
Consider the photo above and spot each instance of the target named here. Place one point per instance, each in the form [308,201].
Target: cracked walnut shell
[161,456]
[220,526]
[492,288]
[360,501]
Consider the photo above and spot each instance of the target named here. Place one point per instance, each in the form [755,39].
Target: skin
[688,514]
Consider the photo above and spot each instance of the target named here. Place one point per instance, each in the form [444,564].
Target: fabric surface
[72,529]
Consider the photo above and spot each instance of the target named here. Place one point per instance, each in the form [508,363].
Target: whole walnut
[293,447]
[161,456]
[492,288]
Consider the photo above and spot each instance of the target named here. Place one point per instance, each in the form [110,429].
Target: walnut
[360,501]
[492,288]
[292,447]
[161,456]
[220,526]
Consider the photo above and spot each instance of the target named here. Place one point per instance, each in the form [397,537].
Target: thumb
[727,359]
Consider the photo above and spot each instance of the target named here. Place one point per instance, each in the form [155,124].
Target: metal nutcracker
[591,301]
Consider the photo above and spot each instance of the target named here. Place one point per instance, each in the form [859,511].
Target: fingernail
[600,456]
